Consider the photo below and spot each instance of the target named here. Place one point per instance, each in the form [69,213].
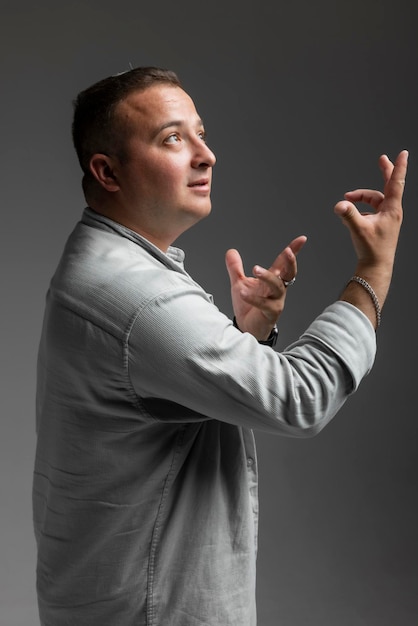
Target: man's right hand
[258,301]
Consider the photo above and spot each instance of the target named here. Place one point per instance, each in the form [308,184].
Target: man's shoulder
[103,274]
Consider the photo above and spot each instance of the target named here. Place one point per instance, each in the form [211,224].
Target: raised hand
[375,234]
[259,300]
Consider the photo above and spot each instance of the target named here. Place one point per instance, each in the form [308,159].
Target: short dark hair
[95,126]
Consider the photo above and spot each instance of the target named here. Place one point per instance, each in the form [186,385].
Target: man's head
[142,147]
[97,128]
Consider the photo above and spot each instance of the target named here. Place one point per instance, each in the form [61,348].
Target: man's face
[166,176]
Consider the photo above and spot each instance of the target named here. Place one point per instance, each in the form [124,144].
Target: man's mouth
[202,182]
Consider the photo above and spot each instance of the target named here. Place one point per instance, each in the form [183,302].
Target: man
[145,485]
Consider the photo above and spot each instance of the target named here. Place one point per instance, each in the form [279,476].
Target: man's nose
[203,156]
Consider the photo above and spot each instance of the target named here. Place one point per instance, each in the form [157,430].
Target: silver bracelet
[369,289]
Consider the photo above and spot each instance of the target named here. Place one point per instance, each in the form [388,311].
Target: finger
[368,196]
[297,244]
[269,307]
[288,255]
[386,167]
[289,267]
[234,265]
[272,281]
[395,185]
[346,210]
[349,215]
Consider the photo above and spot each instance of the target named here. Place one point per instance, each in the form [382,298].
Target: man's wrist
[361,281]
[271,339]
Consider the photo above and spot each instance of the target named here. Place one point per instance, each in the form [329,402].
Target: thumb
[347,211]
[234,265]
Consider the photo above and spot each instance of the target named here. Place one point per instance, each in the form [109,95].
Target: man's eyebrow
[198,124]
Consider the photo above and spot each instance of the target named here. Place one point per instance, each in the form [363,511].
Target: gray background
[299,100]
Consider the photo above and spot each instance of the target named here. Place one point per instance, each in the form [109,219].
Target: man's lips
[202,182]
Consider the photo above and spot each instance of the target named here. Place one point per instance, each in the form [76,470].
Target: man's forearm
[355,293]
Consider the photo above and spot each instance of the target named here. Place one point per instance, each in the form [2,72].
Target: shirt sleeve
[188,362]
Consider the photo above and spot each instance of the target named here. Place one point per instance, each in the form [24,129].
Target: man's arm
[375,235]
[259,301]
[182,352]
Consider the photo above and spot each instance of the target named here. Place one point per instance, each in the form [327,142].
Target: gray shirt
[145,483]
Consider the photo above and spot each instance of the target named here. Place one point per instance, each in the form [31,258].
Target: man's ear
[102,169]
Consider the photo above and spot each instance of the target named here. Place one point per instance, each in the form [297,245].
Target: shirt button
[250,461]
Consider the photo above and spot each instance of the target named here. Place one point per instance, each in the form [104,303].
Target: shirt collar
[97,220]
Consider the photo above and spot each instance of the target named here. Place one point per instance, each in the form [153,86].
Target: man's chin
[200,212]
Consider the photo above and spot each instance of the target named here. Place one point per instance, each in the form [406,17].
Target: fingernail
[258,270]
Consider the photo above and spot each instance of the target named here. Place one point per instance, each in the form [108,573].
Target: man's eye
[202,135]
[174,138]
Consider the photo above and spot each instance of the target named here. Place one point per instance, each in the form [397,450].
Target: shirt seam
[128,332]
[122,338]
[150,611]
